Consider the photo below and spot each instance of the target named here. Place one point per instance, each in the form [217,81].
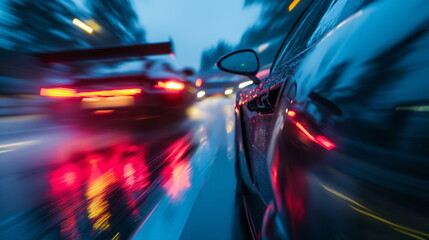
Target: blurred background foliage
[47,25]
[35,26]
[28,26]
[268,31]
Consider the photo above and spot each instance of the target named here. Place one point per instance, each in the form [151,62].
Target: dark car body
[129,89]
[334,143]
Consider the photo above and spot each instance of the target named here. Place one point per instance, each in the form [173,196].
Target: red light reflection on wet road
[178,172]
[89,191]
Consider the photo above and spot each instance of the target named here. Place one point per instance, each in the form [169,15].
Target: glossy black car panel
[341,152]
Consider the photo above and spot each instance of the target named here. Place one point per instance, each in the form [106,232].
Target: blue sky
[195,25]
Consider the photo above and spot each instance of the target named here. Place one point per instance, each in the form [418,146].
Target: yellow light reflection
[83,26]
[229,126]
[93,25]
[263,47]
[407,233]
[402,229]
[370,213]
[195,113]
[229,91]
[117,236]
[98,188]
[414,108]
[340,195]
[98,112]
[293,4]
[201,94]
[107,93]
[245,84]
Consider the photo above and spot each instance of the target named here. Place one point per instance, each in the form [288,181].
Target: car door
[258,104]
[373,184]
[337,12]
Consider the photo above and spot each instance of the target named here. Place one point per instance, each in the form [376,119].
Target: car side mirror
[243,62]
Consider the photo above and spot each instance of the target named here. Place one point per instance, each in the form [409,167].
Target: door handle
[320,100]
[261,104]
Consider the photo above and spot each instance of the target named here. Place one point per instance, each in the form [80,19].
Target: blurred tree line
[269,30]
[36,26]
[29,26]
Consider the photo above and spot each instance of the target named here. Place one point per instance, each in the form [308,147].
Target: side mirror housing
[243,62]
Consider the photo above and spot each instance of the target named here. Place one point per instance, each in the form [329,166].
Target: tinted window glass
[337,12]
[302,31]
[321,18]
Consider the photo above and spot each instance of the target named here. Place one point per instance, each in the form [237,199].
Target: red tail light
[58,92]
[107,93]
[69,92]
[291,114]
[170,85]
[100,112]
[199,82]
[321,140]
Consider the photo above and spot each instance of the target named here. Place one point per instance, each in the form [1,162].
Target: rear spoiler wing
[138,50]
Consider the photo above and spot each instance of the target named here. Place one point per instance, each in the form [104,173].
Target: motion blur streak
[195,113]
[322,141]
[83,26]
[291,114]
[306,133]
[229,91]
[17,144]
[58,92]
[370,213]
[293,5]
[6,151]
[98,187]
[263,73]
[103,112]
[340,195]
[245,84]
[115,92]
[67,92]
[263,47]
[179,181]
[117,236]
[414,108]
[171,85]
[198,167]
[93,25]
[402,229]
[102,102]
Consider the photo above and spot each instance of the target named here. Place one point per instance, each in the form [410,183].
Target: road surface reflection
[90,186]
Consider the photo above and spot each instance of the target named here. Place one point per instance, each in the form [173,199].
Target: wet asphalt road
[119,180]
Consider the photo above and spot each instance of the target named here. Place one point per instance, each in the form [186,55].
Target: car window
[303,30]
[320,18]
[338,11]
